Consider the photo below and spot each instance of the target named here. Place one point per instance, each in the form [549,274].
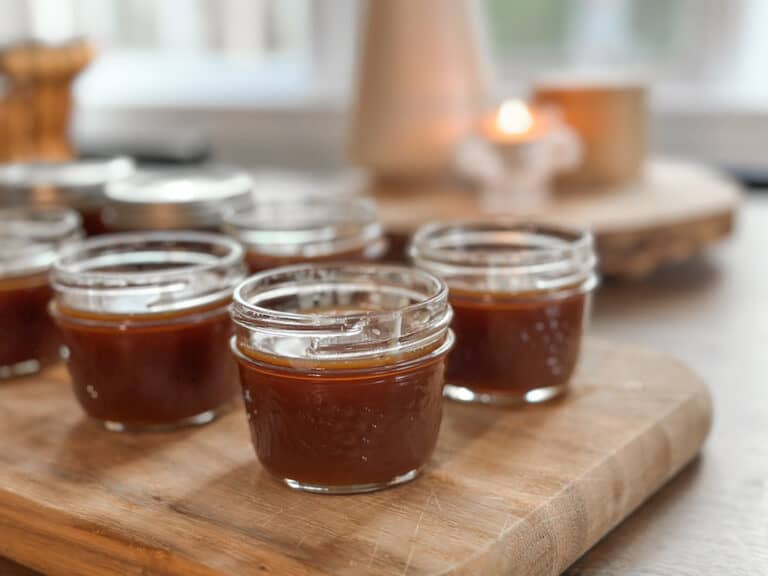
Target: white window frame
[306,128]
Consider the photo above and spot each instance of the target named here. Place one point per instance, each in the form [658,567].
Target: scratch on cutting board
[283,511]
[416,530]
[375,549]
[433,496]
[271,517]
[507,523]
[408,561]
[418,524]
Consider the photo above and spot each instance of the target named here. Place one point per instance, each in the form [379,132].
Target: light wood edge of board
[636,255]
[656,456]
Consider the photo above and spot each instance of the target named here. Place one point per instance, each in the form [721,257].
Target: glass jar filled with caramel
[30,239]
[76,184]
[342,372]
[521,296]
[276,233]
[145,320]
[176,199]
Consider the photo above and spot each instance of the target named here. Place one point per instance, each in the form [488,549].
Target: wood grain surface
[676,211]
[509,491]
[713,313]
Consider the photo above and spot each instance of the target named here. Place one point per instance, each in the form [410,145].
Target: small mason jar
[145,320]
[277,233]
[30,239]
[521,298]
[176,199]
[77,184]
[341,367]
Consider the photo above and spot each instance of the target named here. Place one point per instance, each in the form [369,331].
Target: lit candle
[523,146]
[514,123]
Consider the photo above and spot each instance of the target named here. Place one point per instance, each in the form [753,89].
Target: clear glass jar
[77,184]
[176,199]
[30,239]
[276,233]
[145,319]
[342,372]
[521,298]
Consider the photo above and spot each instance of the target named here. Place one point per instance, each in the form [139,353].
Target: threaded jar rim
[147,273]
[332,312]
[506,256]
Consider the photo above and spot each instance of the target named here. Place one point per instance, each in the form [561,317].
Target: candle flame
[514,117]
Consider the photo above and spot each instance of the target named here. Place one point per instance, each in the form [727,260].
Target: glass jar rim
[31,237]
[305,226]
[533,255]
[147,272]
[424,319]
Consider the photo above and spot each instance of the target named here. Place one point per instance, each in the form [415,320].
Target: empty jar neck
[507,258]
[31,238]
[307,228]
[331,314]
[147,273]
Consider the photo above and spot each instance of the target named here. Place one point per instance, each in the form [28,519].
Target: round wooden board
[675,211]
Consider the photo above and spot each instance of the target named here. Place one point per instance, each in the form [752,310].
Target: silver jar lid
[192,198]
[75,183]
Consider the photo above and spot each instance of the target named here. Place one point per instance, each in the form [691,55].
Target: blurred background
[268,82]
[274,85]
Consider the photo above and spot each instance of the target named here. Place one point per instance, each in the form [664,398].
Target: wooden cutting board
[677,209]
[509,491]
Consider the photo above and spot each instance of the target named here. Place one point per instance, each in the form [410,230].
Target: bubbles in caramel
[520,295]
[145,319]
[342,372]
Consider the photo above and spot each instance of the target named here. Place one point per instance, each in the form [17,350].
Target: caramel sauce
[26,330]
[92,222]
[514,344]
[152,369]
[343,423]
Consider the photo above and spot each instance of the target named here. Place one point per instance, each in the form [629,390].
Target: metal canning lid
[74,183]
[176,198]
[30,238]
